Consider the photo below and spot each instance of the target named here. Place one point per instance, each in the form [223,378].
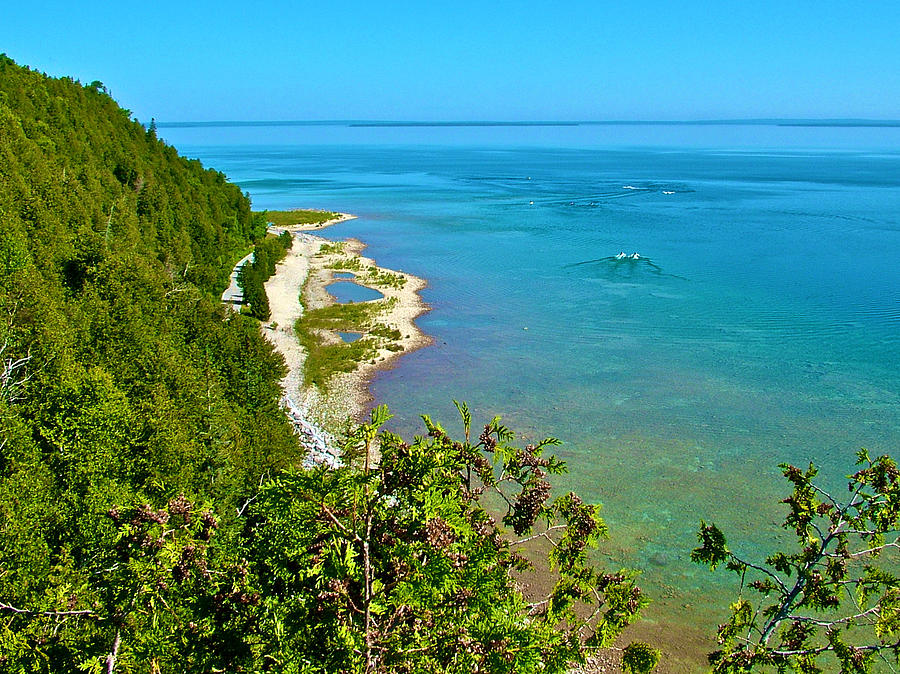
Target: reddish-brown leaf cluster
[528,506]
[488,441]
[439,534]
[182,507]
[146,514]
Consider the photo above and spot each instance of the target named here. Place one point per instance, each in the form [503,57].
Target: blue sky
[472,60]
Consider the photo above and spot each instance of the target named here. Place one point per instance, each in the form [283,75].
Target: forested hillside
[124,381]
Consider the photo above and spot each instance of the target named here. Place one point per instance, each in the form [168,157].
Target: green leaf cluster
[831,598]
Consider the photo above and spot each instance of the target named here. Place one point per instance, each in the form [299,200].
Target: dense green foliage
[399,568]
[123,381]
[298,217]
[254,274]
[834,595]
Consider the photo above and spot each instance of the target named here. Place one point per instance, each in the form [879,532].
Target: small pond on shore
[346,291]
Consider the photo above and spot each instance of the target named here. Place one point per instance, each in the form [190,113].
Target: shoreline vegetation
[327,381]
[305,219]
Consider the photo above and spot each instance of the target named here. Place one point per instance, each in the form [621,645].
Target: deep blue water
[761,323]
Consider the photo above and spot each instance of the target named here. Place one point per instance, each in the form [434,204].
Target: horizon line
[363,123]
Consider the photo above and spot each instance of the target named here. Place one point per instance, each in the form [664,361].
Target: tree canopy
[123,381]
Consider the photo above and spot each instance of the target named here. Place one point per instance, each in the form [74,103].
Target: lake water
[760,324]
[347,291]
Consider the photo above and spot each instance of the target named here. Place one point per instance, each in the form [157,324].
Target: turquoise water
[761,323]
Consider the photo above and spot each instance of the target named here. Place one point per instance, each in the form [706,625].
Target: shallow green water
[761,323]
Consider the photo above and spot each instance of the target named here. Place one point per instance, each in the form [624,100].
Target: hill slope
[123,381]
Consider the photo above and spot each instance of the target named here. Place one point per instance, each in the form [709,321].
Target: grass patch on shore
[383,278]
[299,217]
[370,276]
[324,360]
[348,263]
[335,248]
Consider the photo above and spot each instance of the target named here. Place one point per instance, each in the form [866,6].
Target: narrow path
[233,295]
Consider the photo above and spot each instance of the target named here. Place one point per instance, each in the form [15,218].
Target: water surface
[347,291]
[760,324]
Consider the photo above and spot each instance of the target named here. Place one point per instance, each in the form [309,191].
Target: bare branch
[543,534]
[352,534]
[240,511]
[262,478]
[111,658]
[822,535]
[870,648]
[14,374]
[834,502]
[46,614]
[761,569]
[862,553]
[831,623]
[505,498]
[536,604]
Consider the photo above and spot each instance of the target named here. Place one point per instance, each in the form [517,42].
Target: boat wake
[625,264]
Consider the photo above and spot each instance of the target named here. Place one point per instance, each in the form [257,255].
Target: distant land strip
[395,124]
[849,123]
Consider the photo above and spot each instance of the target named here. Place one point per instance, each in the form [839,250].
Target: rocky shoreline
[306,272]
